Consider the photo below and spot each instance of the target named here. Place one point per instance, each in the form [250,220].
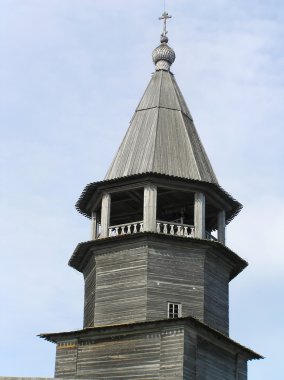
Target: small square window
[174,310]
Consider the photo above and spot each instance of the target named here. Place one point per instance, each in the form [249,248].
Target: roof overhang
[98,333]
[92,193]
[85,250]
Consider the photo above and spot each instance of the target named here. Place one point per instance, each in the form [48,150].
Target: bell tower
[157,268]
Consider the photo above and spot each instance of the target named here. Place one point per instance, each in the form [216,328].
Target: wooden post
[105,215]
[150,208]
[199,215]
[94,227]
[222,227]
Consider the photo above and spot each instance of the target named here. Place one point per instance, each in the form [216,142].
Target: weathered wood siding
[128,358]
[216,294]
[214,363]
[66,360]
[181,349]
[90,292]
[190,354]
[121,292]
[175,274]
[144,356]
[171,354]
[134,284]
[242,368]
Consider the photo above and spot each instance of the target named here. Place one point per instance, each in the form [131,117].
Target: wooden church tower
[156,279]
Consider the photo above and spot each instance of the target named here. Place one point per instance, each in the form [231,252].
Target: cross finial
[165,16]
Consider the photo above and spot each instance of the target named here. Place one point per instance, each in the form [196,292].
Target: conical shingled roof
[162,137]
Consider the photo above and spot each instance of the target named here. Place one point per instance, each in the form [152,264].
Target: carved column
[199,215]
[150,208]
[222,227]
[105,215]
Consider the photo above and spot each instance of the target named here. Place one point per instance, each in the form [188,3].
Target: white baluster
[165,229]
[172,231]
[185,231]
[135,228]
[158,227]
[192,232]
[129,229]
[141,227]
[179,231]
[109,232]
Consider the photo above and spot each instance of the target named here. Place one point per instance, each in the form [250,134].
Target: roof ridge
[180,98]
[190,147]
[158,116]
[159,106]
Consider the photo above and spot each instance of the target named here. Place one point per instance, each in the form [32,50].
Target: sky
[71,74]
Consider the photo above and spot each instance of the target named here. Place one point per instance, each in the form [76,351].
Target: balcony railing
[167,228]
[125,229]
[176,229]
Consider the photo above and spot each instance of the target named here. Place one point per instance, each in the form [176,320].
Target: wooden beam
[150,208]
[105,215]
[199,215]
[94,227]
[222,227]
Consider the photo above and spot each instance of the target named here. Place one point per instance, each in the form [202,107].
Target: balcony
[158,210]
[166,228]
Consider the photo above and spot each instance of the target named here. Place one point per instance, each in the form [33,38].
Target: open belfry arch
[157,268]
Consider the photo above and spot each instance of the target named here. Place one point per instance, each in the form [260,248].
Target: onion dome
[163,56]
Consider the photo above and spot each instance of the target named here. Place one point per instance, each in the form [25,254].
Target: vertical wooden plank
[105,215]
[94,226]
[199,215]
[150,208]
[222,227]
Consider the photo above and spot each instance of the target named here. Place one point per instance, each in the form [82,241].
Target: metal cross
[165,17]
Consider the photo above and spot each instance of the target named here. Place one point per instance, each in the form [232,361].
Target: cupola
[161,179]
